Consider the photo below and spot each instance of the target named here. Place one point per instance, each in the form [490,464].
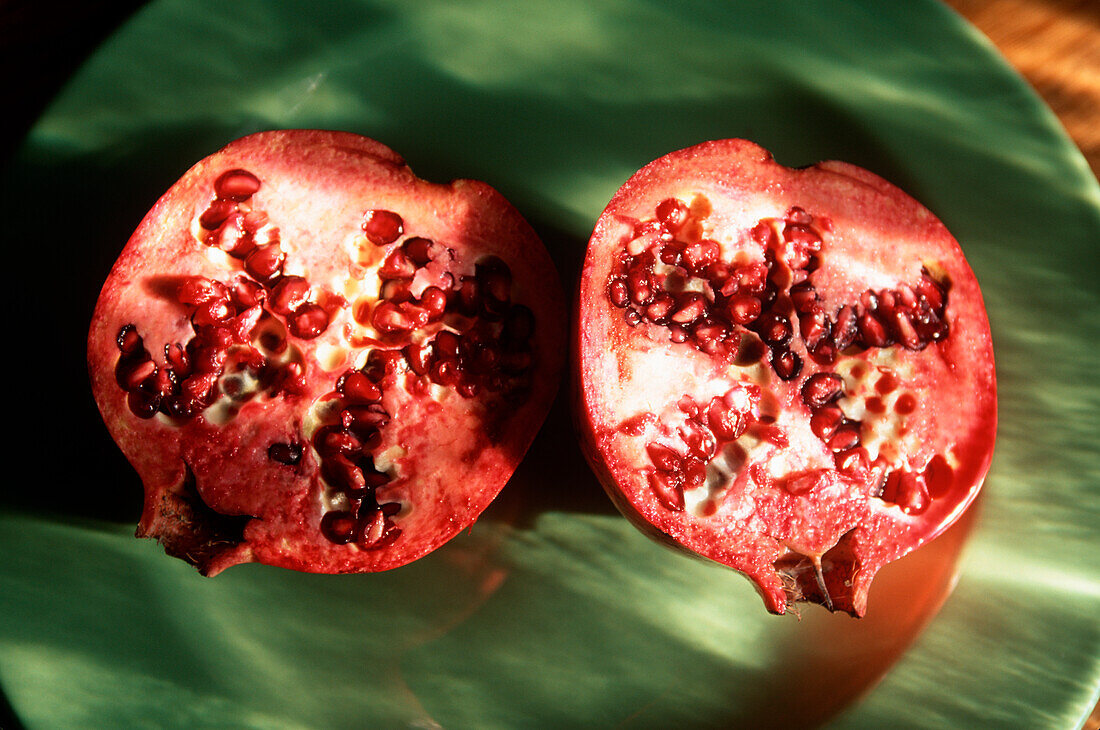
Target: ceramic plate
[552,612]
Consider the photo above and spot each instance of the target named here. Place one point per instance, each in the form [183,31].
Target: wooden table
[1055,44]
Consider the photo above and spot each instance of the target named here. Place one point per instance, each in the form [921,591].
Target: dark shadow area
[8,721]
[42,42]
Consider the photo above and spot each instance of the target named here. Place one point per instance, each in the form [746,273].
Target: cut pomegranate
[282,353]
[787,371]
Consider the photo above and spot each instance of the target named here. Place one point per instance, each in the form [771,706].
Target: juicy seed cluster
[671,278]
[706,429]
[465,334]
[224,315]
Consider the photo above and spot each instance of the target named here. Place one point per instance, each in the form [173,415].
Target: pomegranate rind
[213,495]
[840,534]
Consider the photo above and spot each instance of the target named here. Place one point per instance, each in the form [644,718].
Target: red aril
[263,352]
[818,400]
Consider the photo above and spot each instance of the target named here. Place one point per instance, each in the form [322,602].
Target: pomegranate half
[787,371]
[316,360]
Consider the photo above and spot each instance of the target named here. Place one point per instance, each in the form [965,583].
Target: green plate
[552,612]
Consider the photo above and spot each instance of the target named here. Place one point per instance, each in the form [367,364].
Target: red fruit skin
[213,495]
[839,534]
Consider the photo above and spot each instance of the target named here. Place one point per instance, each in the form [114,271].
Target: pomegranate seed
[288,294]
[358,388]
[331,440]
[238,185]
[309,321]
[242,325]
[494,278]
[774,328]
[821,388]
[854,463]
[211,313]
[906,334]
[804,297]
[419,358]
[434,301]
[467,297]
[129,341]
[872,331]
[176,357]
[445,372]
[846,328]
[291,379]
[672,213]
[799,216]
[667,491]
[446,344]
[618,293]
[932,293]
[265,261]
[363,418]
[343,474]
[632,318]
[641,293]
[664,458]
[199,290]
[142,404]
[253,221]
[382,226]
[825,421]
[802,236]
[907,491]
[246,293]
[701,443]
[687,405]
[752,278]
[338,527]
[373,477]
[672,254]
[824,353]
[697,255]
[289,454]
[709,330]
[743,309]
[764,234]
[418,250]
[397,266]
[217,212]
[387,318]
[845,437]
[134,373]
[199,387]
[660,307]
[468,389]
[814,326]
[677,334]
[938,477]
[695,473]
[728,424]
[689,308]
[787,365]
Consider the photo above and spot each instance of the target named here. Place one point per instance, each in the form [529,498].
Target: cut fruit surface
[315,359]
[787,371]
